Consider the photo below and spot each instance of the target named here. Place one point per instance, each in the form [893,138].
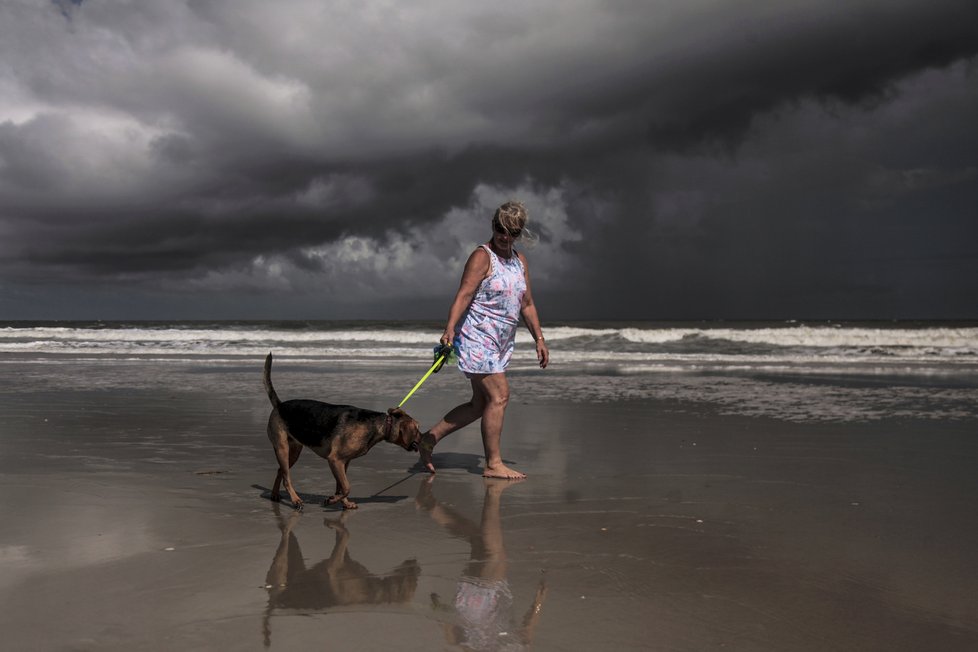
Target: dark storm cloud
[714,159]
[850,54]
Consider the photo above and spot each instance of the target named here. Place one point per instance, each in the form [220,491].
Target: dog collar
[387,426]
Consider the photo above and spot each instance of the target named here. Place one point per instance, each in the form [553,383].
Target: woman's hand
[446,338]
[543,354]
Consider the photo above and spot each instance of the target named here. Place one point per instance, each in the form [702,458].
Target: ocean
[789,370]
[691,486]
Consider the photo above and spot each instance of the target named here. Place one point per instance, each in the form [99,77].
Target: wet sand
[136,516]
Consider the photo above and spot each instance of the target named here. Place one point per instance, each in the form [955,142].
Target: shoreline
[135,504]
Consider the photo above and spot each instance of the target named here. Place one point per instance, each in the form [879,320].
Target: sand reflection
[337,581]
[483,603]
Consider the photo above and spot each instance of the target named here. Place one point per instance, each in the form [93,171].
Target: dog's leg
[295,448]
[274,425]
[286,452]
[338,467]
[292,452]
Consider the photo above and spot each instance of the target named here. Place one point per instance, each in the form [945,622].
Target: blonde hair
[512,216]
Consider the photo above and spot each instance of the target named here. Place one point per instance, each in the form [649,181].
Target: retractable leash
[443,353]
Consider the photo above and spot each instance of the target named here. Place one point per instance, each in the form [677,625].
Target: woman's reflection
[337,581]
[483,601]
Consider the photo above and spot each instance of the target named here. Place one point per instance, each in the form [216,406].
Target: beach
[680,510]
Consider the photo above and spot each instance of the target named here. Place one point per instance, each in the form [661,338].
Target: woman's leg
[458,417]
[495,388]
[490,395]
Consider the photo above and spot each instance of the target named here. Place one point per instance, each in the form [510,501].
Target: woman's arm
[476,269]
[532,321]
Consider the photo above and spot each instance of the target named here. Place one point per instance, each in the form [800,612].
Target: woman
[493,294]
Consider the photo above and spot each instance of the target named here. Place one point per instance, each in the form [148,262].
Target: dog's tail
[267,379]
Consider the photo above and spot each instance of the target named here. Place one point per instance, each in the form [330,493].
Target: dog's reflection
[483,601]
[337,581]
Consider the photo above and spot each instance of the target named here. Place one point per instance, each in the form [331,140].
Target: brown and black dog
[339,433]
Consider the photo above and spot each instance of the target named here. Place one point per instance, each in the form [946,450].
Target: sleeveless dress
[487,335]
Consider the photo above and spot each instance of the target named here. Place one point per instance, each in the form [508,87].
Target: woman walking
[493,294]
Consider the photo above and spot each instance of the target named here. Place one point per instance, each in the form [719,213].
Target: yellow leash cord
[438,361]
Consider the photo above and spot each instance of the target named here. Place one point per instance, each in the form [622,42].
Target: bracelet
[538,339]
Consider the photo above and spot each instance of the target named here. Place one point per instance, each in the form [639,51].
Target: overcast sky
[680,159]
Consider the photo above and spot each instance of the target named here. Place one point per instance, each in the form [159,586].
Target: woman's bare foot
[502,471]
[425,446]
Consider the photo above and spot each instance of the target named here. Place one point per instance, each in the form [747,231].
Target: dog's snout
[413,447]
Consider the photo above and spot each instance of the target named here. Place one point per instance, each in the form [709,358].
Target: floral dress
[487,335]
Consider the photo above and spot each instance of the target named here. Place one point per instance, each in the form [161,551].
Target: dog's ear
[408,429]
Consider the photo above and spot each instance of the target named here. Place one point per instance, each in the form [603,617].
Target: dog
[338,433]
